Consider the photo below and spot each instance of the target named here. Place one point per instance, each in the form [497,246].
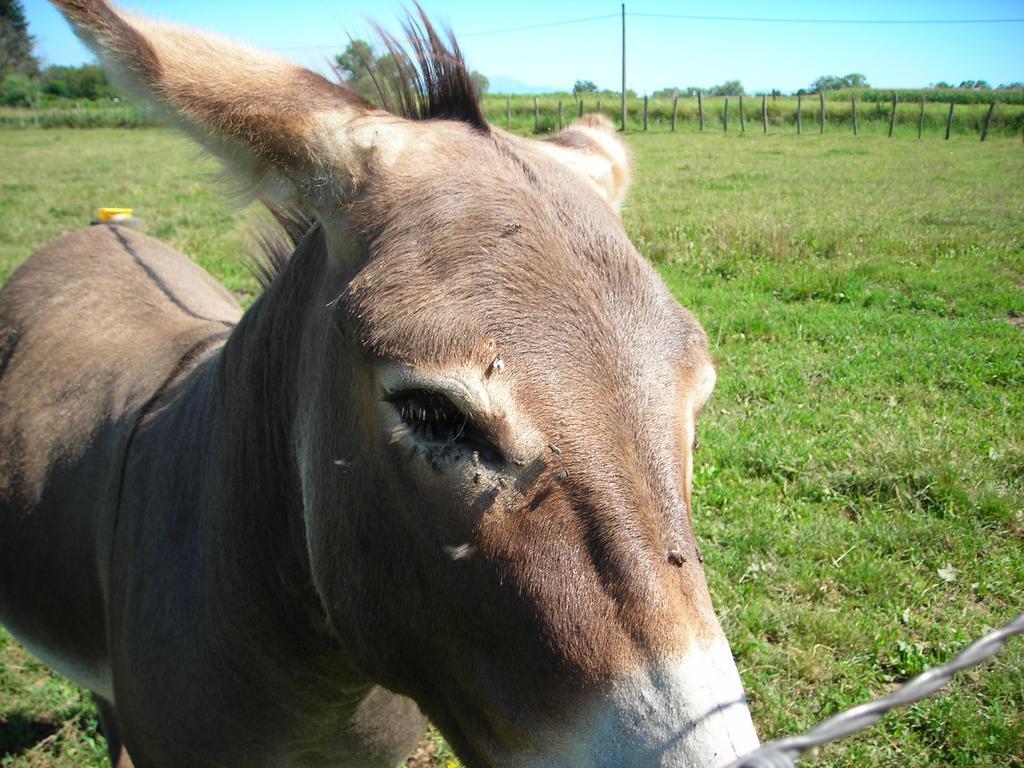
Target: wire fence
[786,752]
[895,115]
[550,113]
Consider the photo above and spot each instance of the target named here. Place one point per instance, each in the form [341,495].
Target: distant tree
[941,84]
[480,81]
[728,88]
[835,82]
[584,86]
[826,83]
[775,93]
[354,68]
[630,93]
[975,85]
[1011,86]
[15,41]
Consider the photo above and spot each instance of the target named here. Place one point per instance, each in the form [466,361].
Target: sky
[660,51]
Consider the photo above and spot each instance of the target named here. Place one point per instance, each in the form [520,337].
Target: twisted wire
[785,752]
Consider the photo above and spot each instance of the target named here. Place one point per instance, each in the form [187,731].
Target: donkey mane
[425,78]
[277,241]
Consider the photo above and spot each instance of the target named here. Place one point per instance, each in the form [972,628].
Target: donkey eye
[433,418]
[429,415]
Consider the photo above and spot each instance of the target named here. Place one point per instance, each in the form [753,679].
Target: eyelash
[433,418]
[429,415]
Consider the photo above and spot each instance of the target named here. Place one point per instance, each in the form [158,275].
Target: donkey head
[496,402]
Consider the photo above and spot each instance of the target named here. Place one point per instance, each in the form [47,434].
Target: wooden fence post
[725,116]
[599,106]
[645,111]
[743,127]
[536,116]
[920,118]
[508,112]
[561,123]
[764,111]
[700,110]
[988,117]
[892,116]
[675,110]
[581,107]
[821,98]
[949,120]
[853,112]
[799,110]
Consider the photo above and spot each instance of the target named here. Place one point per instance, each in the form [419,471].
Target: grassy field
[859,494]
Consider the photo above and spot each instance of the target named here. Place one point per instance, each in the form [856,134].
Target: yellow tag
[114,214]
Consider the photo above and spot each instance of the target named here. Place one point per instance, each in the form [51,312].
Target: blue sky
[661,52]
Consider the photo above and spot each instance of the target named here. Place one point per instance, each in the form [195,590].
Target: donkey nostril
[676,557]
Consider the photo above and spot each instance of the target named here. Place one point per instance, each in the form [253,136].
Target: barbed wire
[785,752]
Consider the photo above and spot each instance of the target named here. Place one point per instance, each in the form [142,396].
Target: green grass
[859,494]
[61,176]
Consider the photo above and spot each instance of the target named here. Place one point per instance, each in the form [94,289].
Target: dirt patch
[1016,320]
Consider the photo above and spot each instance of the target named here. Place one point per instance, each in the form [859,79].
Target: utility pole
[623,67]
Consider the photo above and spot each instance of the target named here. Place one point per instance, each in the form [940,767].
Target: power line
[776,20]
[683,17]
[329,46]
[526,28]
[539,26]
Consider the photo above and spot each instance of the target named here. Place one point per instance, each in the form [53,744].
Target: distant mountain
[503,84]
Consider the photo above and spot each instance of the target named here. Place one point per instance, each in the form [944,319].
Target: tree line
[23,82]
[825,83]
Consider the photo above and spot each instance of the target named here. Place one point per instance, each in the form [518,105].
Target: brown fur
[235,520]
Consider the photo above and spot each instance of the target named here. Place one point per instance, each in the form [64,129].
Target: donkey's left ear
[285,130]
[590,147]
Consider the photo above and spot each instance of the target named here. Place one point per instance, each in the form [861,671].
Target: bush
[18,91]
[85,82]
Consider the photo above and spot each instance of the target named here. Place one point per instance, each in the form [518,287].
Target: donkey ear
[590,147]
[283,128]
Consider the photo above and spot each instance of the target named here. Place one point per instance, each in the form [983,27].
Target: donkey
[440,469]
